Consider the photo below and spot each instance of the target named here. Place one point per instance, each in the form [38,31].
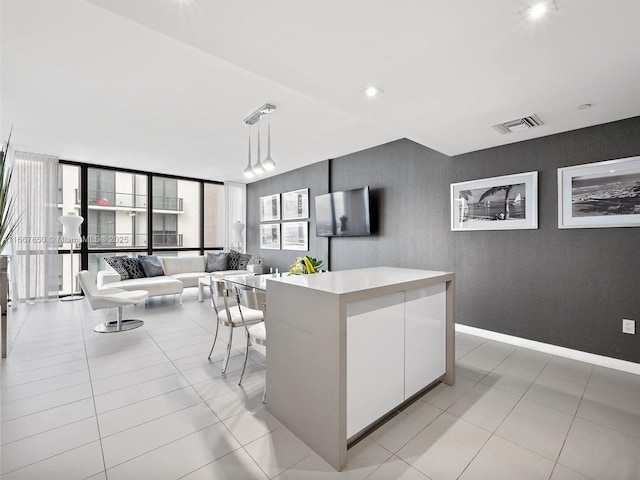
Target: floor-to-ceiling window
[133,213]
[69,193]
[213,215]
[177,207]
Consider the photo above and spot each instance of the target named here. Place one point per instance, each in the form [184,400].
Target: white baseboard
[592,358]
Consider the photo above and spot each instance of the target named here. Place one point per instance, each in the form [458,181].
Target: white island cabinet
[347,348]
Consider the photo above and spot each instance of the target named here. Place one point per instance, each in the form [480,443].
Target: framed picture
[295,204]
[499,203]
[598,195]
[270,208]
[270,236]
[295,236]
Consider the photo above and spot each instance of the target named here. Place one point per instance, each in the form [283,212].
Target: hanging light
[257,167]
[248,172]
[268,162]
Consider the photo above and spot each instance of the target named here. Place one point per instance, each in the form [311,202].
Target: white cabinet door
[425,337]
[375,359]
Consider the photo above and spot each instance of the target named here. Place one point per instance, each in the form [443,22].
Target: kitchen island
[348,348]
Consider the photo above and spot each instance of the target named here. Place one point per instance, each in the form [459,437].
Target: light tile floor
[147,404]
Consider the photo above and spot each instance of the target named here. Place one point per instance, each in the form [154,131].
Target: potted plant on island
[305,265]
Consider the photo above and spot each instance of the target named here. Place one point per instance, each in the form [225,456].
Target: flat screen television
[343,214]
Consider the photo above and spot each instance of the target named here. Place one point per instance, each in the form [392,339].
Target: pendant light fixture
[248,172]
[257,167]
[268,162]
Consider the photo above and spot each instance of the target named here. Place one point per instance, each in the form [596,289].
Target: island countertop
[364,279]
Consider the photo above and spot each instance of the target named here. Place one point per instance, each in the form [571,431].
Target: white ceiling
[164,85]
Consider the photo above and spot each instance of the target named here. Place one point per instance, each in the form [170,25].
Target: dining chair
[230,316]
[251,300]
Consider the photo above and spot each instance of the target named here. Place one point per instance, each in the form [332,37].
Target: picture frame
[295,204]
[295,236]
[600,195]
[270,236]
[270,208]
[508,202]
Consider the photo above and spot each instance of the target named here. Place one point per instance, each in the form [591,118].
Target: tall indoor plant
[8,218]
[8,224]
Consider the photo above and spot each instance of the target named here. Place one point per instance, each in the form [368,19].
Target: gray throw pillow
[216,262]
[243,261]
[151,265]
[118,266]
[133,267]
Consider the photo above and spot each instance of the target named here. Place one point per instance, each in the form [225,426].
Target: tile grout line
[221,421]
[93,397]
[184,436]
[575,415]
[59,453]
[494,434]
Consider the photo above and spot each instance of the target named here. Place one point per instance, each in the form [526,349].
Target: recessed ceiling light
[539,9]
[372,91]
[584,106]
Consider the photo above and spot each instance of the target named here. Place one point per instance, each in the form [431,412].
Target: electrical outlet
[628,326]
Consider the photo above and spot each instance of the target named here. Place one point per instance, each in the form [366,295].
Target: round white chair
[111,298]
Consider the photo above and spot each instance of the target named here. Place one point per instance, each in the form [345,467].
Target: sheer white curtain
[34,272]
[235,201]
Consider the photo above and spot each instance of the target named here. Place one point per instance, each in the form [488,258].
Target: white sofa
[179,273]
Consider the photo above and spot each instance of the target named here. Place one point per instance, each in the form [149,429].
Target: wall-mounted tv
[343,214]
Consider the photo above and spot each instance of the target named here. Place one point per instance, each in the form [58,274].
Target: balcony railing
[102,198]
[173,204]
[167,240]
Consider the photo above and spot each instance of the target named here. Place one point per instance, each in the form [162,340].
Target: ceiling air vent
[518,124]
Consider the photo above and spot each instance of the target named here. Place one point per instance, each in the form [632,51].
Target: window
[102,229]
[116,213]
[165,231]
[117,209]
[68,201]
[101,187]
[176,213]
[213,215]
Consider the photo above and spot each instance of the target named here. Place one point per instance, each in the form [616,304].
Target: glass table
[256,282]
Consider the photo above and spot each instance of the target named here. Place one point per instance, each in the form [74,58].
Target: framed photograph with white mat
[295,204]
[295,236]
[270,208]
[499,203]
[600,195]
[270,236]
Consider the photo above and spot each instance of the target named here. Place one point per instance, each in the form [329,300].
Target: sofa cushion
[173,265]
[189,279]
[216,262]
[151,265]
[154,285]
[133,267]
[118,266]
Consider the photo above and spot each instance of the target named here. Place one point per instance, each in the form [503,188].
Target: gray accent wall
[314,177]
[570,288]
[409,203]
